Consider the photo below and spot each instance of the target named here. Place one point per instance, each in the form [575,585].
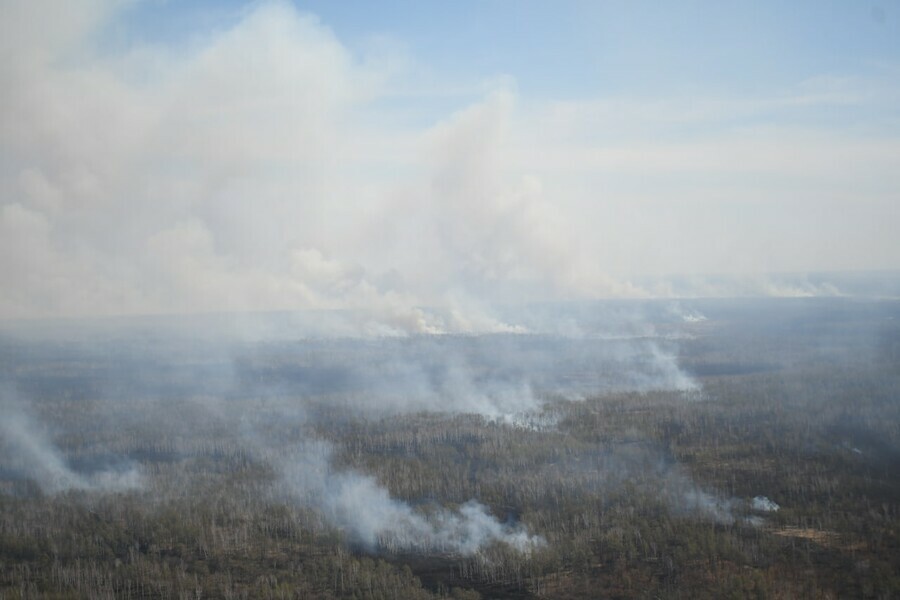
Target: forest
[728,448]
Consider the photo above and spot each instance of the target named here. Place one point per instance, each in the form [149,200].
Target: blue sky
[196,155]
[583,50]
[572,49]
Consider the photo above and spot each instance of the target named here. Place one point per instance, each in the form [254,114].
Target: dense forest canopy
[692,449]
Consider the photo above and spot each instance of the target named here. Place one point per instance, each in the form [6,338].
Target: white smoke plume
[687,315]
[33,455]
[358,505]
[228,175]
[252,167]
[786,285]
[764,504]
[238,390]
[26,450]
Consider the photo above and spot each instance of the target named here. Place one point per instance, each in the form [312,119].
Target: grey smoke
[358,505]
[764,504]
[26,449]
[240,385]
[568,350]
[694,500]
[33,455]
[686,314]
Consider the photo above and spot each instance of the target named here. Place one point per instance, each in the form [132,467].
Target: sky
[163,157]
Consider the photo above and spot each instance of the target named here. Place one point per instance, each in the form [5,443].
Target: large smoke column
[256,166]
[157,180]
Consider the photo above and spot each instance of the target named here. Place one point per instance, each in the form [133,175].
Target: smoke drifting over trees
[194,383]
[32,454]
[290,310]
[651,434]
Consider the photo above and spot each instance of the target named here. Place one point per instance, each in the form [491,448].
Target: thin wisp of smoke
[358,505]
[30,453]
